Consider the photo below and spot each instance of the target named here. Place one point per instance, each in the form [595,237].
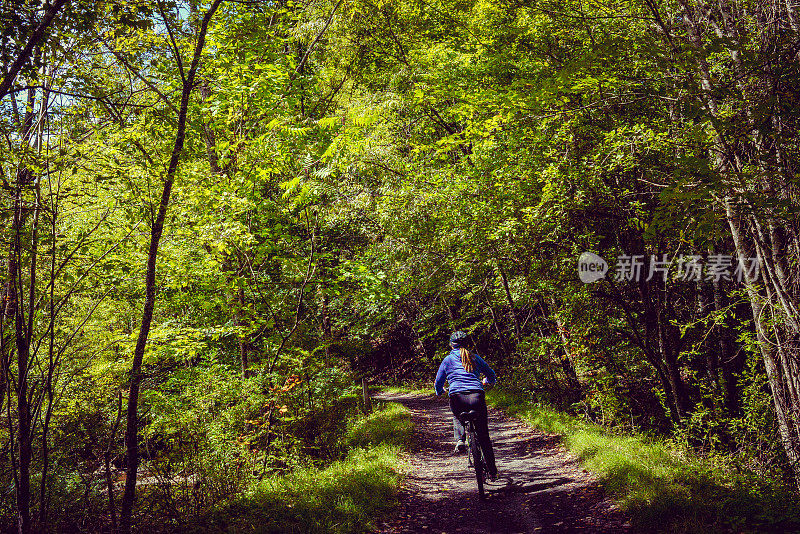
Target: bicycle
[475,454]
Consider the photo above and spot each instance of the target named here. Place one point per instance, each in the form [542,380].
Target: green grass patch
[344,497]
[388,423]
[663,489]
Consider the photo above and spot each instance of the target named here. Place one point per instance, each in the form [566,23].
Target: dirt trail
[541,487]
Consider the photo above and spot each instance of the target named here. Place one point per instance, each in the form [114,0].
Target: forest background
[218,216]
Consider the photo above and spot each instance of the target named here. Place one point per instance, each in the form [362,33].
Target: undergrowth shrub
[342,498]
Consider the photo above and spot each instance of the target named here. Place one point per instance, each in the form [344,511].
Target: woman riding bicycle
[462,371]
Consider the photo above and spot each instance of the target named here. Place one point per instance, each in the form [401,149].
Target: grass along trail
[541,488]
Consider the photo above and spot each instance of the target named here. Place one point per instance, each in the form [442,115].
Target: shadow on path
[541,488]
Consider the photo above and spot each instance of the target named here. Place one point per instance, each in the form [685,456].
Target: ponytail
[466,360]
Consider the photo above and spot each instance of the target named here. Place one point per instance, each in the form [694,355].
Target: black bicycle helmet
[458,338]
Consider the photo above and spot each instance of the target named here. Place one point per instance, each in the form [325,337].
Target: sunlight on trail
[540,489]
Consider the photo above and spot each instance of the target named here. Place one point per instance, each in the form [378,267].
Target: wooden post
[365,395]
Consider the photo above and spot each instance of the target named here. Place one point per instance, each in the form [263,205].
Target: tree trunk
[132,420]
[112,507]
[567,358]
[243,344]
[707,346]
[726,356]
[327,333]
[786,404]
[23,408]
[517,329]
[487,295]
[660,347]
[23,327]
[208,135]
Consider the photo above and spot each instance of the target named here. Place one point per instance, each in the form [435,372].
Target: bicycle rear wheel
[478,463]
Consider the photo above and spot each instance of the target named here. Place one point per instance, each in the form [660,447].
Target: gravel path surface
[541,488]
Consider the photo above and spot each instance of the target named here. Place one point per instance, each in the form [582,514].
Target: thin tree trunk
[673,371]
[515,319]
[644,341]
[112,507]
[51,369]
[661,350]
[310,269]
[326,320]
[726,357]
[4,360]
[23,409]
[711,353]
[488,296]
[208,135]
[132,420]
[24,334]
[243,348]
[23,327]
[567,358]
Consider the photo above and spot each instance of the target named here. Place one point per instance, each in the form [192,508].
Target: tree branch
[33,40]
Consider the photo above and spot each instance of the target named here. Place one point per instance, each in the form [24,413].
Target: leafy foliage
[357,180]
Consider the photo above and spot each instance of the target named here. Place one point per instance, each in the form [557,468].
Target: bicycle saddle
[471,415]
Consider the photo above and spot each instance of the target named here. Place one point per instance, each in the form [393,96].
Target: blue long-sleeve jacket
[460,380]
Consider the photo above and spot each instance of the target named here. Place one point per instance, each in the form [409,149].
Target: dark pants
[476,400]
